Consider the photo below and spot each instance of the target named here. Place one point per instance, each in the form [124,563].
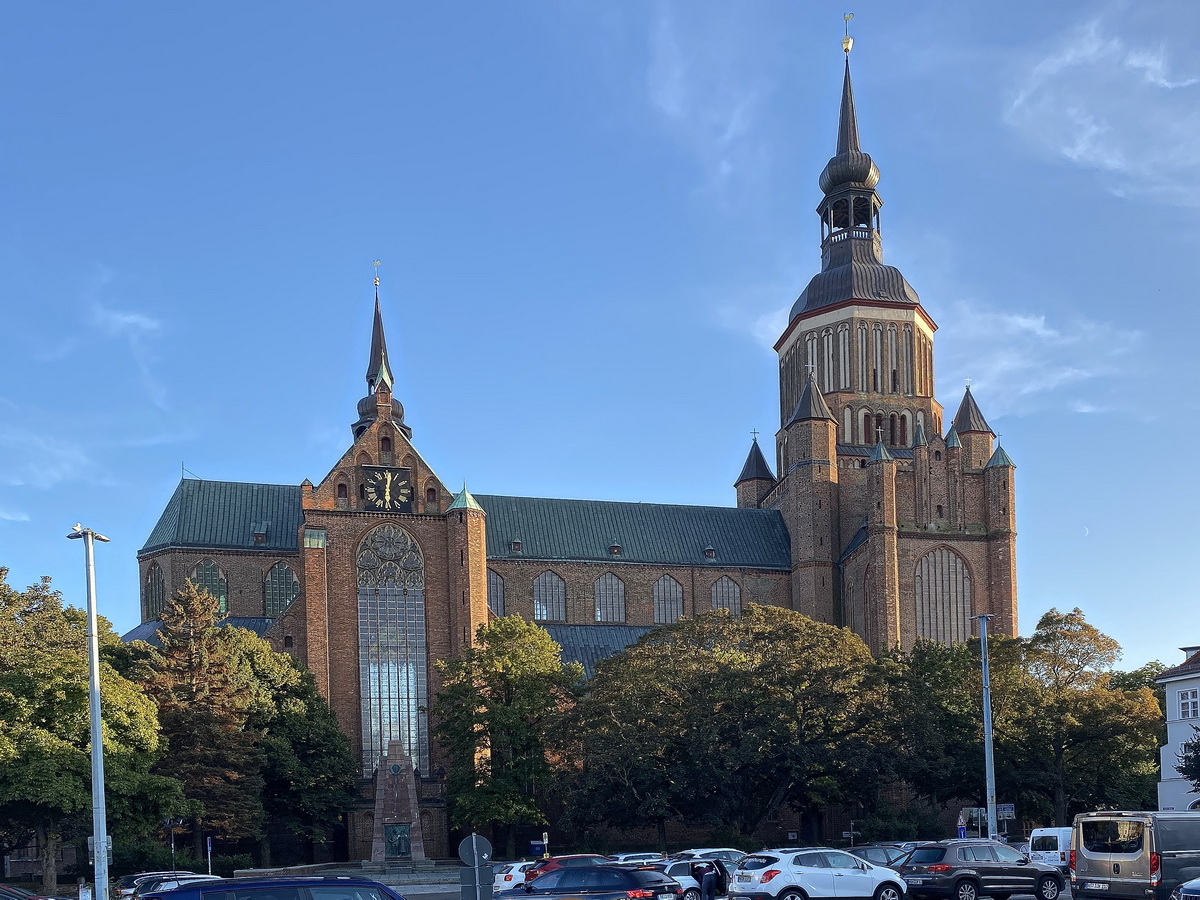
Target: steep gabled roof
[652,533]
[756,468]
[224,515]
[1190,666]
[999,458]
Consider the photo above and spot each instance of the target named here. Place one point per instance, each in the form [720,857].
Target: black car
[880,854]
[966,870]
[608,882]
[285,887]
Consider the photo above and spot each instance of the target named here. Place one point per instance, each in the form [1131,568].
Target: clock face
[388,488]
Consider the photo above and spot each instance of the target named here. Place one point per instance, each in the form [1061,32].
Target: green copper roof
[652,533]
[952,438]
[919,439]
[999,458]
[880,454]
[589,644]
[464,500]
[225,515]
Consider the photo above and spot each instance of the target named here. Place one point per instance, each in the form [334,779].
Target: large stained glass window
[280,588]
[668,601]
[609,592]
[495,589]
[393,679]
[208,576]
[727,595]
[549,598]
[943,595]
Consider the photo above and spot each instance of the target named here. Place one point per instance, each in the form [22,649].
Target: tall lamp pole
[989,760]
[99,817]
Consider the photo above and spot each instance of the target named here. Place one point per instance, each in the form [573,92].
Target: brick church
[875,517]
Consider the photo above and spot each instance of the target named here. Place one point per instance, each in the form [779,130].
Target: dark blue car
[300,887]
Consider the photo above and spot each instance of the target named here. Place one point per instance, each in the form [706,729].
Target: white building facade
[1182,685]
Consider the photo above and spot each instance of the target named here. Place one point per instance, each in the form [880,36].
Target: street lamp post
[99,817]
[989,761]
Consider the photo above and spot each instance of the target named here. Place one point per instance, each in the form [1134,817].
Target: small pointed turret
[880,454]
[811,404]
[1000,458]
[464,500]
[968,418]
[919,439]
[756,467]
[952,441]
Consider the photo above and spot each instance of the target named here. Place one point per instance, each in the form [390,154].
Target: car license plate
[666,897]
[742,878]
[914,880]
[1095,886]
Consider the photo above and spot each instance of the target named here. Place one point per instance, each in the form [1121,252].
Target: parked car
[300,887]
[639,856]
[966,869]
[1133,854]
[159,883]
[727,855]
[880,854]
[124,886]
[12,892]
[684,871]
[1189,890]
[811,873]
[1021,847]
[507,875]
[1051,846]
[599,882]
[570,861]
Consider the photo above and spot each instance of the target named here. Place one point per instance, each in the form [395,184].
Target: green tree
[1080,738]
[1189,761]
[495,715]
[726,720]
[45,763]
[206,694]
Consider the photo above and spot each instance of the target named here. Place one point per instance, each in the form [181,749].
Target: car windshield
[922,855]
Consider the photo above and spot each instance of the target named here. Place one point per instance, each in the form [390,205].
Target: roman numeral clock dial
[388,488]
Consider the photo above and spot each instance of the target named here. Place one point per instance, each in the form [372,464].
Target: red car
[569,862]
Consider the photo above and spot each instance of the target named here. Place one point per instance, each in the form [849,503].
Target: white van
[1051,846]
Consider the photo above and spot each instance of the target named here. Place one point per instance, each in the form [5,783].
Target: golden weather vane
[847,41]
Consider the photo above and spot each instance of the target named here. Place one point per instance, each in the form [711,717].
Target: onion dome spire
[379,373]
[379,380]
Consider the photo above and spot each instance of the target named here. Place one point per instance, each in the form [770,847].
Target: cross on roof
[754,434]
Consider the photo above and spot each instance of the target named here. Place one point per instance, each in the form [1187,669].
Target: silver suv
[812,872]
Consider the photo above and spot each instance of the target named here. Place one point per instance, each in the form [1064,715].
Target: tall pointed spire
[847,140]
[811,404]
[379,373]
[969,417]
[756,468]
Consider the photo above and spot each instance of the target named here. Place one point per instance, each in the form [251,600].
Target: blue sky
[593,218]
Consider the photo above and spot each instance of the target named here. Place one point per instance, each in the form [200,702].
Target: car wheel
[966,890]
[793,894]
[887,892]
[691,894]
[1048,888]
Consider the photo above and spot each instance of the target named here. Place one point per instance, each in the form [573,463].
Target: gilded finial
[847,41]
[376,265]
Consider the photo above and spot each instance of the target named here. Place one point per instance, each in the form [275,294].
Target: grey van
[1133,854]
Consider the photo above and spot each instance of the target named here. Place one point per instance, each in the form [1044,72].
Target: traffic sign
[475,850]
[1006,811]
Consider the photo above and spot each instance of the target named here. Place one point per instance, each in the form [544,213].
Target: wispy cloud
[13,515]
[42,459]
[708,89]
[1123,106]
[1024,363]
[137,330]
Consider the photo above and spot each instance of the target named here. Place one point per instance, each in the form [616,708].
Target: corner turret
[756,480]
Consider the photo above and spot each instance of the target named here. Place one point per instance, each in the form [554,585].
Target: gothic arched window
[943,597]
[668,601]
[154,592]
[208,576]
[609,592]
[280,588]
[392,664]
[549,598]
[727,595]
[495,589]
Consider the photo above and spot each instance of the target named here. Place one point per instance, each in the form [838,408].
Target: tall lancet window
[843,352]
[943,593]
[861,354]
[827,364]
[392,671]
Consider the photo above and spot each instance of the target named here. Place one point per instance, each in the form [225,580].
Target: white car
[727,855]
[683,871]
[641,856]
[812,873]
[510,875]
